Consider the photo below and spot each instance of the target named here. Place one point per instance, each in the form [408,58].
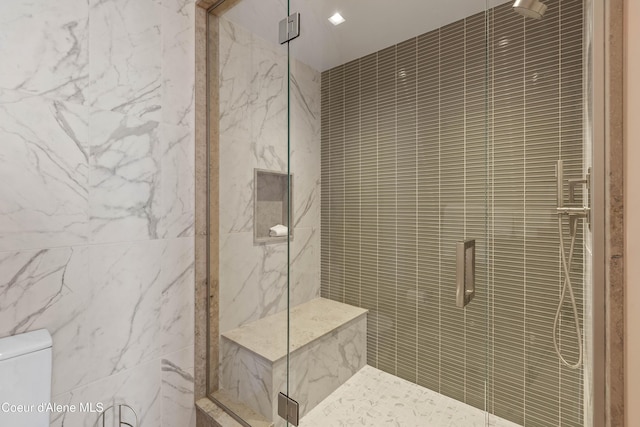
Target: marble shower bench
[328,345]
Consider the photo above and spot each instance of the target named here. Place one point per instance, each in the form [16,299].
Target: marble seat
[328,345]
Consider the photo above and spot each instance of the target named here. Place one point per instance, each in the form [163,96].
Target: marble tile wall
[97,190]
[253,134]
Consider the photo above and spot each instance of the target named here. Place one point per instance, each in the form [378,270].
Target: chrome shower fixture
[530,8]
[575,213]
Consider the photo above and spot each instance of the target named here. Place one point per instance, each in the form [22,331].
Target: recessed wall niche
[270,204]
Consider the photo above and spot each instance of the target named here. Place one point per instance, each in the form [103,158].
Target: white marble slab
[176,208]
[89,157]
[248,270]
[176,279]
[253,280]
[44,48]
[125,67]
[44,170]
[253,120]
[125,194]
[249,378]
[44,288]
[178,407]
[308,322]
[109,307]
[304,279]
[253,126]
[236,159]
[139,388]
[319,369]
[178,62]
[375,398]
[253,134]
[328,342]
[305,143]
[141,180]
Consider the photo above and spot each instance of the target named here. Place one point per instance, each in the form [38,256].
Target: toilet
[25,379]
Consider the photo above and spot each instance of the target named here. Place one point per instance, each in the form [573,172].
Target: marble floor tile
[374,398]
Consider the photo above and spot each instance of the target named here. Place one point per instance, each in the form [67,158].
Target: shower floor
[375,398]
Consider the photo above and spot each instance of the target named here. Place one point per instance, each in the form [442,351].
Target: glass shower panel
[249,69]
[414,154]
[389,152]
[537,107]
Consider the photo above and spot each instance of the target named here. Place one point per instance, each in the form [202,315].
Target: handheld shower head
[530,8]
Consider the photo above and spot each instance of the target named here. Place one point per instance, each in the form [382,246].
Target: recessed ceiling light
[336,19]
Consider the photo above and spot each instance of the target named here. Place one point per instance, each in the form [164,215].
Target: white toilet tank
[25,379]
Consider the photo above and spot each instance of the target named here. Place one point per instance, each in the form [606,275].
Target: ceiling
[371,25]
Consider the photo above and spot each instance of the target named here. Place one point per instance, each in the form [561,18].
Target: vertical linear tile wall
[368,201]
[408,170]
[476,206]
[508,253]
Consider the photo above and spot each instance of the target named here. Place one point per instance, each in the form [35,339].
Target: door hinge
[289,28]
[288,409]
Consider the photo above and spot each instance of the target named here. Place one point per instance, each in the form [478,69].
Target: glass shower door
[249,99]
[538,64]
[388,134]
[389,243]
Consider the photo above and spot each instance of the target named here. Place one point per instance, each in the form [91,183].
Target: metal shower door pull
[465,272]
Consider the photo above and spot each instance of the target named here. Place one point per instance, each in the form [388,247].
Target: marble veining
[110,307]
[125,69]
[305,266]
[40,284]
[45,150]
[97,189]
[377,399]
[140,181]
[177,389]
[248,378]
[176,216]
[44,48]
[139,387]
[249,270]
[305,143]
[253,134]
[253,125]
[178,62]
[319,369]
[253,120]
[246,272]
[308,322]
[124,179]
[328,345]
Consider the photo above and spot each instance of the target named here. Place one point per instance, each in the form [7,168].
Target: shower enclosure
[405,218]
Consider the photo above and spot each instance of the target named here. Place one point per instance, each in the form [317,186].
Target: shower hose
[566,287]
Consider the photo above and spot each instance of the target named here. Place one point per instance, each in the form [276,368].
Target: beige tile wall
[407,172]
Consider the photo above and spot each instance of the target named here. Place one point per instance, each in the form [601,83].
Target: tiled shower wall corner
[97,190]
[416,157]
